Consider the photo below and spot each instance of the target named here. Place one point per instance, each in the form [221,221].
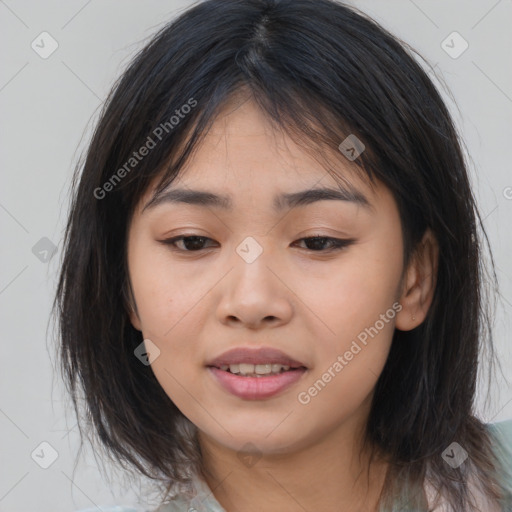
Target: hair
[320,71]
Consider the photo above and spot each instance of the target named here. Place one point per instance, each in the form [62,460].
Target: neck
[330,475]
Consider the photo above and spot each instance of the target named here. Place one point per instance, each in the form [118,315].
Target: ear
[130,306]
[135,320]
[419,284]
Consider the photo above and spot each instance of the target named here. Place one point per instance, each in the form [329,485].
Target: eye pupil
[195,239]
[317,242]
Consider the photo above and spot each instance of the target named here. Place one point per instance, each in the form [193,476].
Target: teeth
[262,369]
[245,368]
[255,370]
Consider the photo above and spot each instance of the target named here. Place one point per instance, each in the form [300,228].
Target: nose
[255,295]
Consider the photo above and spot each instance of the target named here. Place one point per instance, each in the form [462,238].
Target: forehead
[245,141]
[244,153]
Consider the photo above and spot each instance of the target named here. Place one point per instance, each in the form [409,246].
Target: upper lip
[261,355]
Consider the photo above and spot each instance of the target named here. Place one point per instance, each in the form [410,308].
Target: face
[255,277]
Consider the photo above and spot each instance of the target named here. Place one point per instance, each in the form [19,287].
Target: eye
[195,243]
[319,241]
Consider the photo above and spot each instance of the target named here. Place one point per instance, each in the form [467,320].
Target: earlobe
[419,283]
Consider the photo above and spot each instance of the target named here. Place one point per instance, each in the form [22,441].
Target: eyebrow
[281,202]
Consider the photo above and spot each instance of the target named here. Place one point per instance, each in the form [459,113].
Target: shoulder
[199,503]
[502,437]
[503,428]
[501,433]
[177,505]
[116,508]
[199,498]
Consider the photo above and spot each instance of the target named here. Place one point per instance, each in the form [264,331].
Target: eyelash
[337,244]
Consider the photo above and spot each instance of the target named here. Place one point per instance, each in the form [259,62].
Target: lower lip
[256,388]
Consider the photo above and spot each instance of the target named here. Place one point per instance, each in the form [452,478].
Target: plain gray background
[47,104]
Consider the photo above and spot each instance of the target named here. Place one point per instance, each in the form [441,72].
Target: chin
[263,439]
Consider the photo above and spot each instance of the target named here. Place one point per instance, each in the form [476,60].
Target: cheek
[164,295]
[357,305]
[167,302]
[356,292]
[358,324]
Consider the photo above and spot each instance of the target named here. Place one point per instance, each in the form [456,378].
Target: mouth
[257,370]
[255,361]
[256,374]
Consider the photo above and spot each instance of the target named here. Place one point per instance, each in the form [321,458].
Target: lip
[260,355]
[256,388]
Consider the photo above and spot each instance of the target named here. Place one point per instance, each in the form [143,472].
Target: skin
[311,305]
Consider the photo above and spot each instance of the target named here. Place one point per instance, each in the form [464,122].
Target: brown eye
[196,243]
[191,243]
[315,243]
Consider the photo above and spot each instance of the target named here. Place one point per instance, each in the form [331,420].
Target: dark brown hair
[321,71]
